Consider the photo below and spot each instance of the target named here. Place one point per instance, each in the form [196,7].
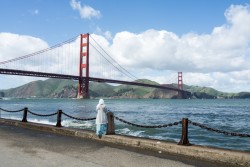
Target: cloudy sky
[209,41]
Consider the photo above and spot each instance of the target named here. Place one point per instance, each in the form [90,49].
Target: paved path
[28,148]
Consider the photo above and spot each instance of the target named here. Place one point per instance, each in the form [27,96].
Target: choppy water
[224,114]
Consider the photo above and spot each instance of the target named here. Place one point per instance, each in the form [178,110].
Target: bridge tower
[180,84]
[83,84]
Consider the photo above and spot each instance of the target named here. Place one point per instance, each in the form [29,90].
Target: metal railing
[111,126]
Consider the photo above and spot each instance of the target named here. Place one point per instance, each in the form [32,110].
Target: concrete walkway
[21,147]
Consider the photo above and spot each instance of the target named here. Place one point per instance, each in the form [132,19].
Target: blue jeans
[101,129]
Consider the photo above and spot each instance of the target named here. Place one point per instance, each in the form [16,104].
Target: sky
[208,40]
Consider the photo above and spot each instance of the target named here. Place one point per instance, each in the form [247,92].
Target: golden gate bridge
[73,60]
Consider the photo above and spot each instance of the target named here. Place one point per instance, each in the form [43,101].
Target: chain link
[147,126]
[42,115]
[80,119]
[11,110]
[218,131]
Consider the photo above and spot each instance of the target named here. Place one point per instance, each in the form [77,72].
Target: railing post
[59,118]
[25,111]
[111,124]
[184,136]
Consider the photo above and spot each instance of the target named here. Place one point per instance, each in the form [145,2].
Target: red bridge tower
[180,84]
[83,84]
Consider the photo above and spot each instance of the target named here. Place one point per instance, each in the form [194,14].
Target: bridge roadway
[21,147]
[73,77]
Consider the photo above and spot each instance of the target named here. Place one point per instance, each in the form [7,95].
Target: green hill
[38,89]
[59,88]
[101,90]
[208,93]
[130,91]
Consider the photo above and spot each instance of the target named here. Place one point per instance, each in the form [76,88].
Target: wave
[130,132]
[35,120]
[78,124]
[5,98]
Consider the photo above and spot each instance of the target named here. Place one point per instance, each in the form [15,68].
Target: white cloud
[86,12]
[14,45]
[225,49]
[106,34]
[34,12]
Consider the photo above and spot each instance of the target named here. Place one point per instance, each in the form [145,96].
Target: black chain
[218,131]
[42,115]
[146,126]
[137,125]
[11,110]
[80,119]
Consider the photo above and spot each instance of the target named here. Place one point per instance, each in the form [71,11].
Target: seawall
[235,158]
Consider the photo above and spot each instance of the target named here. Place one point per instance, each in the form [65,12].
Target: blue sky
[197,23]
[55,21]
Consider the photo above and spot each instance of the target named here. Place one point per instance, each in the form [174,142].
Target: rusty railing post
[25,111]
[111,124]
[184,137]
[59,118]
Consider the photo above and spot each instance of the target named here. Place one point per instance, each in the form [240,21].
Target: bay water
[231,115]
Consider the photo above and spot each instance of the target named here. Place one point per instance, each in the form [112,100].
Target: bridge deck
[74,77]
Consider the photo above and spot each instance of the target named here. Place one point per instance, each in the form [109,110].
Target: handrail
[184,139]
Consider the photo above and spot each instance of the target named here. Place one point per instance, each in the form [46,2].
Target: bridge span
[77,78]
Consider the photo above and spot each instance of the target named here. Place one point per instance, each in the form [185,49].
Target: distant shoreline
[56,88]
[44,98]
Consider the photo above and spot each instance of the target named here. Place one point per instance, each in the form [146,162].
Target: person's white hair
[101,101]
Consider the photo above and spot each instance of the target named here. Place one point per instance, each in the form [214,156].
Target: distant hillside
[207,93]
[210,93]
[130,91]
[101,90]
[40,89]
[56,88]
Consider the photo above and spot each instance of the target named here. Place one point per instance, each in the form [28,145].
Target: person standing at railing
[101,119]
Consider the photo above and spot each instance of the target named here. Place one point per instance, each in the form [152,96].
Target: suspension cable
[111,62]
[39,52]
[113,59]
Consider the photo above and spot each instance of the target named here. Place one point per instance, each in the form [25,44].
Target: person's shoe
[100,136]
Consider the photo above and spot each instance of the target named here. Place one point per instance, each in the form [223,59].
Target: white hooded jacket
[101,117]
